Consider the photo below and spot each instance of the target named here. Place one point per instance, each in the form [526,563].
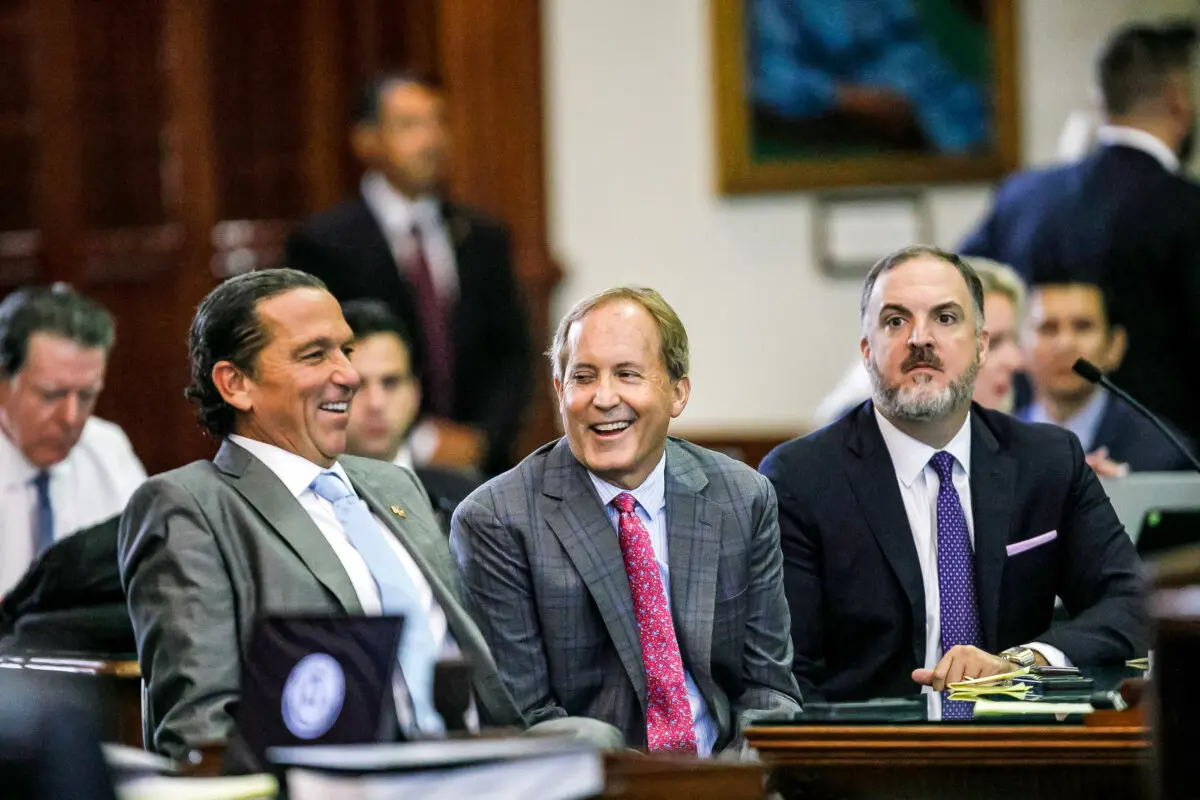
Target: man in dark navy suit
[925,537]
[444,269]
[1123,217]
[1068,321]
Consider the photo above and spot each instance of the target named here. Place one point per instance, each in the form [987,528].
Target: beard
[918,403]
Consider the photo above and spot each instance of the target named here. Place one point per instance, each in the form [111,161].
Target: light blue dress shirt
[1085,424]
[652,495]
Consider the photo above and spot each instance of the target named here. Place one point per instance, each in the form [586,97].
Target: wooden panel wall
[150,147]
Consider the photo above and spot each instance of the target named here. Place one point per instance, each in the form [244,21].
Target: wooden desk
[635,777]
[114,687]
[946,761]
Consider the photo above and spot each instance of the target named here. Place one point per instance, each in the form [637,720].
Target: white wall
[631,170]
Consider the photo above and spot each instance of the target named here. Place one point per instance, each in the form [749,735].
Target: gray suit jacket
[207,549]
[546,582]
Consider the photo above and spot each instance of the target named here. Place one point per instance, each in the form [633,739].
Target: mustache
[921,357]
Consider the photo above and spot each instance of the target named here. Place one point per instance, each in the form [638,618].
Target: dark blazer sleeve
[800,543]
[1101,585]
[508,389]
[181,602]
[499,597]
[767,667]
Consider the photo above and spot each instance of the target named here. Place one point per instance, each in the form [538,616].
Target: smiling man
[925,537]
[623,575]
[280,522]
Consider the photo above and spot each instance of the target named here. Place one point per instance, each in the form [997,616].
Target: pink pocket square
[1037,541]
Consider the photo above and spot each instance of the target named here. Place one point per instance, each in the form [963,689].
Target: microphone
[1091,373]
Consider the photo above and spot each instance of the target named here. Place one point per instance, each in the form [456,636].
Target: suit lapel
[255,482]
[993,482]
[586,534]
[693,550]
[873,481]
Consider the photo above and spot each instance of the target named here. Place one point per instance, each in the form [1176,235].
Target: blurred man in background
[61,469]
[1124,218]
[385,407]
[444,269]
[1068,321]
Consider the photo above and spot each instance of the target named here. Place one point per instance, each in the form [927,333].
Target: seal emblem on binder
[313,695]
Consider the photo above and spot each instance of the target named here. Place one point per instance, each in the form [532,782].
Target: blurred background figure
[1068,321]
[1004,307]
[384,409]
[1123,218]
[444,269]
[61,469]
[868,71]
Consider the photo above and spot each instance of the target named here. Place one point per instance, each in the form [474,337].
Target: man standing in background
[61,469]
[1124,218]
[445,270]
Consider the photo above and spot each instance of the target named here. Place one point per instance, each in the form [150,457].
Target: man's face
[388,399]
[1067,322]
[44,406]
[408,144]
[994,384]
[299,395]
[615,396]
[919,340]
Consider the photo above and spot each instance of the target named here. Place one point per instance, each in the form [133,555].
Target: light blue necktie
[43,517]
[397,593]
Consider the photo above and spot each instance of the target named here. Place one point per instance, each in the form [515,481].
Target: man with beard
[1124,218]
[925,537]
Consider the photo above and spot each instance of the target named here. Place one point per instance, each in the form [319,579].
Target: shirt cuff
[1054,656]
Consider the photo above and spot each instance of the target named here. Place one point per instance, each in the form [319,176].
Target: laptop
[319,680]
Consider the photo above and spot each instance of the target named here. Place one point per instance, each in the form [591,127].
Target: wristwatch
[1020,656]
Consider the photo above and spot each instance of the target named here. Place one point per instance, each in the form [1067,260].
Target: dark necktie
[956,574]
[669,724]
[438,371]
[43,516]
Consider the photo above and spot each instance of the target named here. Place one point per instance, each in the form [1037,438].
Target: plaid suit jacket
[546,584]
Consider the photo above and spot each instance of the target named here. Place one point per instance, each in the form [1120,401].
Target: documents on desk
[491,769]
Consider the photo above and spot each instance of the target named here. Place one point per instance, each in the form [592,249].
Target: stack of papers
[234,787]
[990,685]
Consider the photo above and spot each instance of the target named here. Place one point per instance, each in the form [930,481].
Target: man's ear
[1118,343]
[985,339]
[680,392]
[364,143]
[233,385]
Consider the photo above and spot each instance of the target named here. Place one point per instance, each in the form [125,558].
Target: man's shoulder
[104,436]
[821,445]
[333,223]
[477,219]
[721,470]
[1035,442]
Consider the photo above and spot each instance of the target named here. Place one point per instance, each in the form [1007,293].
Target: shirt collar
[1141,140]
[295,472]
[651,495]
[910,456]
[404,456]
[1084,423]
[395,212]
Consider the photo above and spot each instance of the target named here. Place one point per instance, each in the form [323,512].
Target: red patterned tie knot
[624,503]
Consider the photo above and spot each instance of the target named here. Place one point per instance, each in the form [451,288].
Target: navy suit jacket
[1132,439]
[346,248]
[853,580]
[1118,219]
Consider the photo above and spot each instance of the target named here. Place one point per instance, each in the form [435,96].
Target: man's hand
[961,661]
[458,446]
[1104,466]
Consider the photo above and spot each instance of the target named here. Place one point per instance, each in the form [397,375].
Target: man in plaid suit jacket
[546,551]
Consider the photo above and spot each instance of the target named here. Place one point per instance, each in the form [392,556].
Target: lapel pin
[399,512]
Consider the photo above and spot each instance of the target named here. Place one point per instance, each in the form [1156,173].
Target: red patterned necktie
[669,723]
[435,324]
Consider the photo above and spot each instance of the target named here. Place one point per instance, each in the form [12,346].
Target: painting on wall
[835,93]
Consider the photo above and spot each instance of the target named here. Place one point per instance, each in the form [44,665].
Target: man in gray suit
[281,522]
[623,575]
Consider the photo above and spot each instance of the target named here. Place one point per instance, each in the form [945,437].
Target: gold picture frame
[743,168]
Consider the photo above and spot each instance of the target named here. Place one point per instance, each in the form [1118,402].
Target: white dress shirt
[652,511]
[397,215]
[919,485]
[92,484]
[404,457]
[297,473]
[1140,140]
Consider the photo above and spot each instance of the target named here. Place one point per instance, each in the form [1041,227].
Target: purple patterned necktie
[956,573]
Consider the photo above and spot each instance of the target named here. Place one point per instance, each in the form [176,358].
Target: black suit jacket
[1118,219]
[1132,439]
[346,248]
[854,583]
